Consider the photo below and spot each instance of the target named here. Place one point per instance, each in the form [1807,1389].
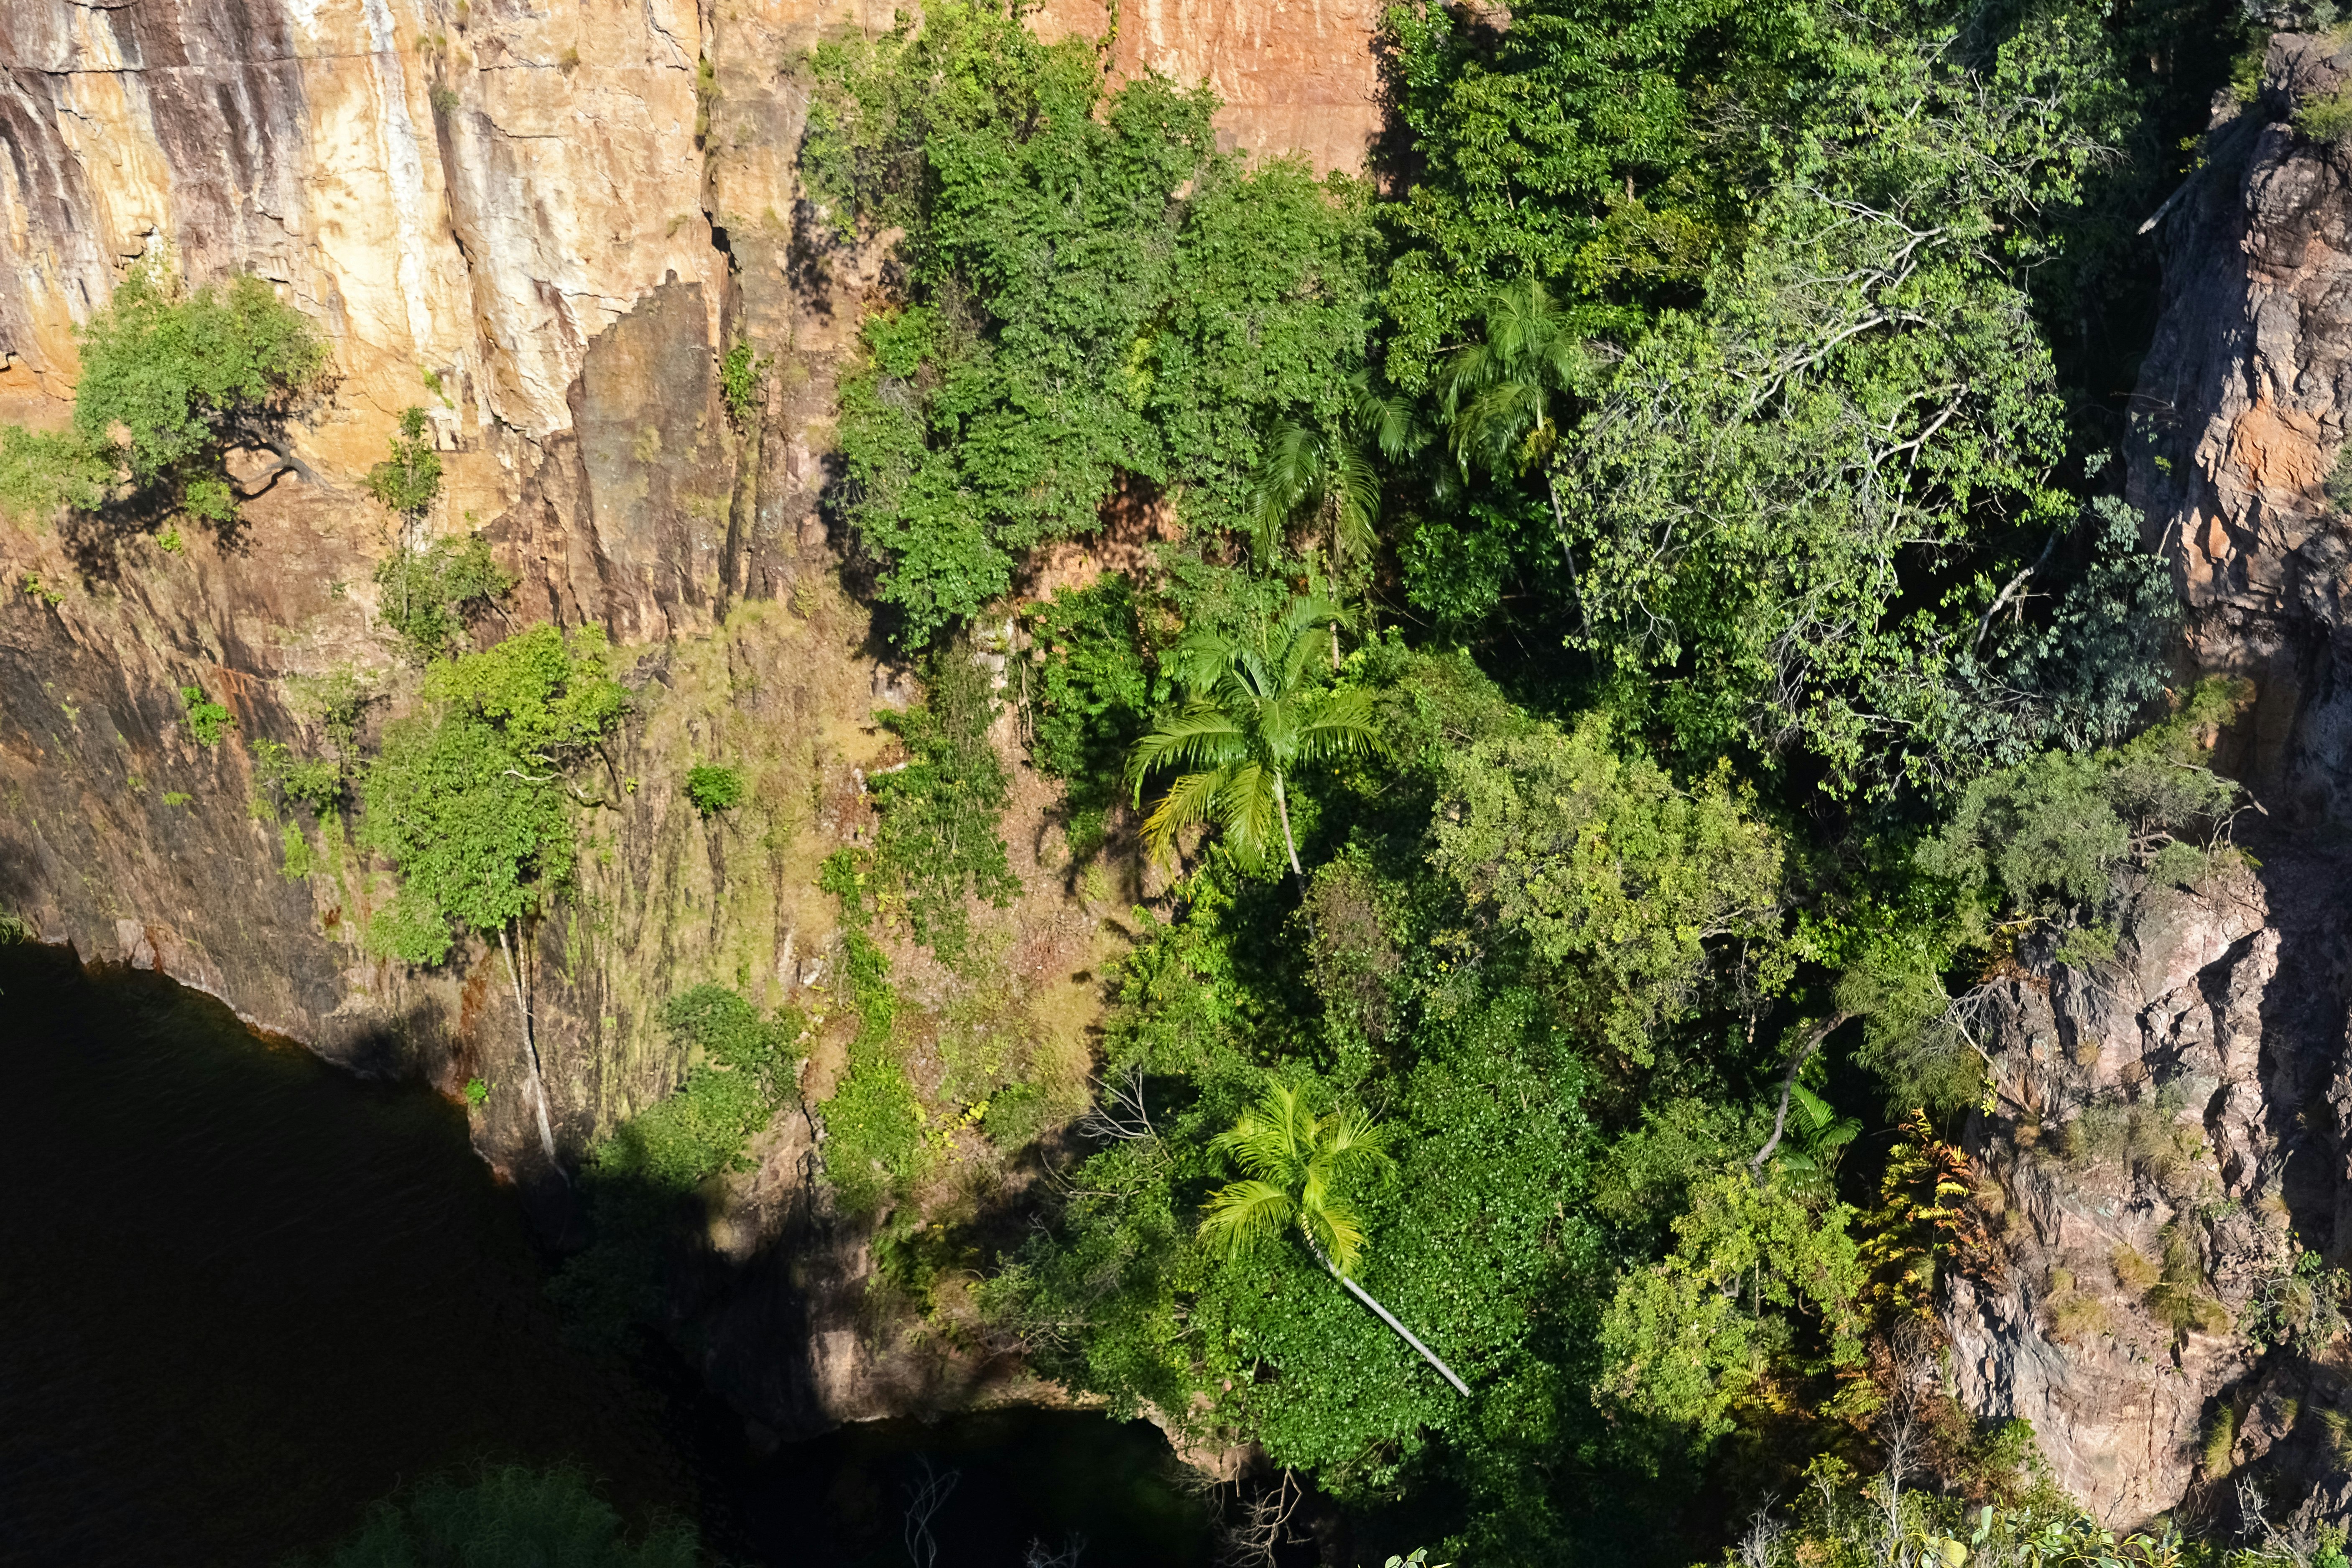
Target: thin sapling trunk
[530,1055]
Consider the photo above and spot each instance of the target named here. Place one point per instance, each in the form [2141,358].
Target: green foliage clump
[207,721]
[2046,842]
[470,798]
[1680,1340]
[1572,147]
[741,375]
[2300,1306]
[2325,119]
[2339,480]
[873,1124]
[1615,877]
[45,471]
[1091,695]
[936,842]
[739,1069]
[298,859]
[190,377]
[713,788]
[1096,298]
[409,481]
[510,1517]
[315,782]
[428,594]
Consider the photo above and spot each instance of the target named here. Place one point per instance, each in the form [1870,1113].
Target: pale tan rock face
[478,190]
[477,198]
[1296,75]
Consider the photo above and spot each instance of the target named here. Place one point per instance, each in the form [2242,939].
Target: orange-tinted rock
[1296,75]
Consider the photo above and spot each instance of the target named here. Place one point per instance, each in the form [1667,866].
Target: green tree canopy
[1094,297]
[1616,877]
[1682,1339]
[408,481]
[469,797]
[188,376]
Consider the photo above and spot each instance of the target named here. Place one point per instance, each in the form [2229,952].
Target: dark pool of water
[243,1294]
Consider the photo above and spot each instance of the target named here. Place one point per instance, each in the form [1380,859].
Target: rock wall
[542,226]
[2197,1093]
[2239,418]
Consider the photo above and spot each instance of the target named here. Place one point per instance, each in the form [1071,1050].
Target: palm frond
[1266,1142]
[1241,1216]
[1200,736]
[1199,661]
[1342,1234]
[1293,639]
[1385,424]
[1339,724]
[1354,1146]
[1357,484]
[1191,799]
[1293,472]
[1820,1130]
[1246,813]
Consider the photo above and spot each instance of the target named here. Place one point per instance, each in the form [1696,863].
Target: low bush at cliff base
[738,1069]
[510,1517]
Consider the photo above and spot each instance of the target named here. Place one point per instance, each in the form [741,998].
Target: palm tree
[1307,467]
[1296,1161]
[1505,400]
[1251,720]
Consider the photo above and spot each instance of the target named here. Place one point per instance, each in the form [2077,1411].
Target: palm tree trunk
[1360,1294]
[531,1057]
[1282,809]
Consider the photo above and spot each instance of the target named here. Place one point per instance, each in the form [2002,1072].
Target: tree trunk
[1560,527]
[1360,1294]
[531,1057]
[1281,808]
[1796,1061]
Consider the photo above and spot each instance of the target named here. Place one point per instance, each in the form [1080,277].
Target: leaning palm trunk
[530,1055]
[1360,1294]
[1282,809]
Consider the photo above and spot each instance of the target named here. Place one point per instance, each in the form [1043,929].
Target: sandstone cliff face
[1296,75]
[2241,407]
[543,227]
[2139,1115]
[2197,1094]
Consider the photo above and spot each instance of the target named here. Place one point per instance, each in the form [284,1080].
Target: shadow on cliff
[94,540]
[2304,1011]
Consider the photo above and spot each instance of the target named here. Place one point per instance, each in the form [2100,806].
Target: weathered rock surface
[2137,1117]
[1296,75]
[2242,405]
[2196,1094]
